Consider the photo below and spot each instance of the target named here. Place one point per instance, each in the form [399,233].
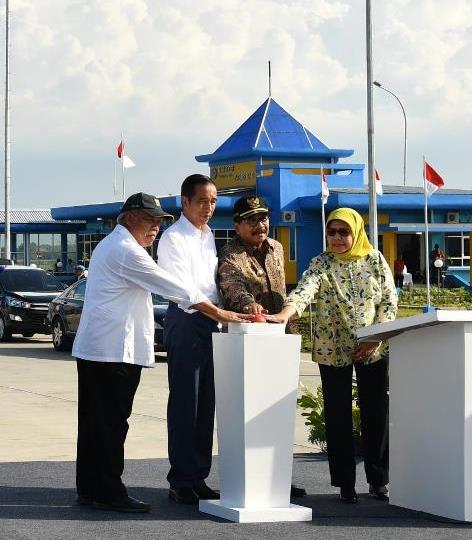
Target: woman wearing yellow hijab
[352,286]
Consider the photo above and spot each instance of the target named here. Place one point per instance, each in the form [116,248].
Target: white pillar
[256,382]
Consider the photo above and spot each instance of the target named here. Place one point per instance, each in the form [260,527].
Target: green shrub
[312,403]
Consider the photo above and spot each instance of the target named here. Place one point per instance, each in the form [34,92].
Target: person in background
[398,270]
[353,287]
[114,341]
[436,272]
[251,275]
[80,272]
[187,250]
[58,266]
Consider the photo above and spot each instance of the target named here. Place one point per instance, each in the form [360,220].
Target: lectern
[256,382]
[430,422]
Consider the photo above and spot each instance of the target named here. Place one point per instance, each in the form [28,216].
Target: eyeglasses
[255,220]
[343,233]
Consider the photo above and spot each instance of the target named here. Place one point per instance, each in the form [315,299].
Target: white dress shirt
[117,321]
[189,254]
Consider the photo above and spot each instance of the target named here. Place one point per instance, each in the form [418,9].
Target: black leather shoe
[126,504]
[379,492]
[348,495]
[297,492]
[84,500]
[185,495]
[205,493]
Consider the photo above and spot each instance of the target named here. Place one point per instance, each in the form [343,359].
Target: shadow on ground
[44,491]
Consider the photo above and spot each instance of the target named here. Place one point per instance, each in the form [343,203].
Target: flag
[378,183]
[433,180]
[127,162]
[324,188]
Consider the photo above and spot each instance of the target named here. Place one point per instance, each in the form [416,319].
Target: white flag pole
[123,165]
[323,222]
[426,235]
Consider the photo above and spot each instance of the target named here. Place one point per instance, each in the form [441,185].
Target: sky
[179,77]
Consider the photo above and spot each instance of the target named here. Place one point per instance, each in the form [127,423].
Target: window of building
[457,249]
[292,239]
[222,237]
[87,243]
[45,249]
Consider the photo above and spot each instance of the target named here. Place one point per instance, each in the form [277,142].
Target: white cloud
[192,72]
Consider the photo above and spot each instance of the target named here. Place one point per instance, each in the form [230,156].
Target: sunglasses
[343,233]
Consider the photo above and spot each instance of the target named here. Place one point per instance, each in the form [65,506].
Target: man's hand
[224,316]
[254,307]
[220,315]
[364,351]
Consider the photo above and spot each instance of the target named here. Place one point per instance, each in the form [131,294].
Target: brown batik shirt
[247,275]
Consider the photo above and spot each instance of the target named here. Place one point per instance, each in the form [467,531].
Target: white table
[430,419]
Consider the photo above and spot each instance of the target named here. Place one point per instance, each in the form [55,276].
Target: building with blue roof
[274,155]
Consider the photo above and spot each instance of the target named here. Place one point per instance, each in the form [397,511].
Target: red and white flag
[324,188]
[127,162]
[433,180]
[378,183]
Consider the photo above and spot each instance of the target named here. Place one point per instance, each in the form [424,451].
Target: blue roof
[272,131]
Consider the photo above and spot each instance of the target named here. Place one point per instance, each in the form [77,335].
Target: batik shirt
[246,275]
[348,296]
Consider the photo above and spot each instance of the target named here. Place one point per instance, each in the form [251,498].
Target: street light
[376,83]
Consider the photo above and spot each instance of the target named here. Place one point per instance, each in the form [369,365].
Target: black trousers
[106,393]
[373,403]
[191,405]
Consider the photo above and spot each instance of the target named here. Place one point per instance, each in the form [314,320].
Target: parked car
[66,277]
[25,293]
[65,310]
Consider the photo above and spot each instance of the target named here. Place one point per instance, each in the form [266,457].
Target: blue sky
[180,77]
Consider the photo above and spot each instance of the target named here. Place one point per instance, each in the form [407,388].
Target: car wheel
[59,338]
[5,333]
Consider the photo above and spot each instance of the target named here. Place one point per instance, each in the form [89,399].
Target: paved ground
[38,389]
[38,404]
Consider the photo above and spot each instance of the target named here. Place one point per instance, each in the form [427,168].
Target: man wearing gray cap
[115,339]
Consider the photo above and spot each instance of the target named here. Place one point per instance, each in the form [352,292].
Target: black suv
[25,293]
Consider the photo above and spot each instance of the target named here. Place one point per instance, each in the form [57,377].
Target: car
[25,294]
[64,316]
[68,278]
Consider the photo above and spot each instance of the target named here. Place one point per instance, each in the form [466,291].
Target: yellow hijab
[360,245]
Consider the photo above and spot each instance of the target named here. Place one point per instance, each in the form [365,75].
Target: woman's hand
[364,351]
[283,316]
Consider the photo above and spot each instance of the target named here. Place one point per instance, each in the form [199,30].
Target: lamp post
[376,83]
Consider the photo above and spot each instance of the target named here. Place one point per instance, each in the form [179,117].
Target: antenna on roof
[270,82]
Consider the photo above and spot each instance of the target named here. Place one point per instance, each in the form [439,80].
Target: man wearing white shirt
[115,339]
[187,249]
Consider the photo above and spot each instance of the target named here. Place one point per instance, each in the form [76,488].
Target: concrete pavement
[38,389]
[37,449]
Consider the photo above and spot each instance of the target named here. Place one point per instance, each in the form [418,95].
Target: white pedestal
[430,373]
[256,382]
